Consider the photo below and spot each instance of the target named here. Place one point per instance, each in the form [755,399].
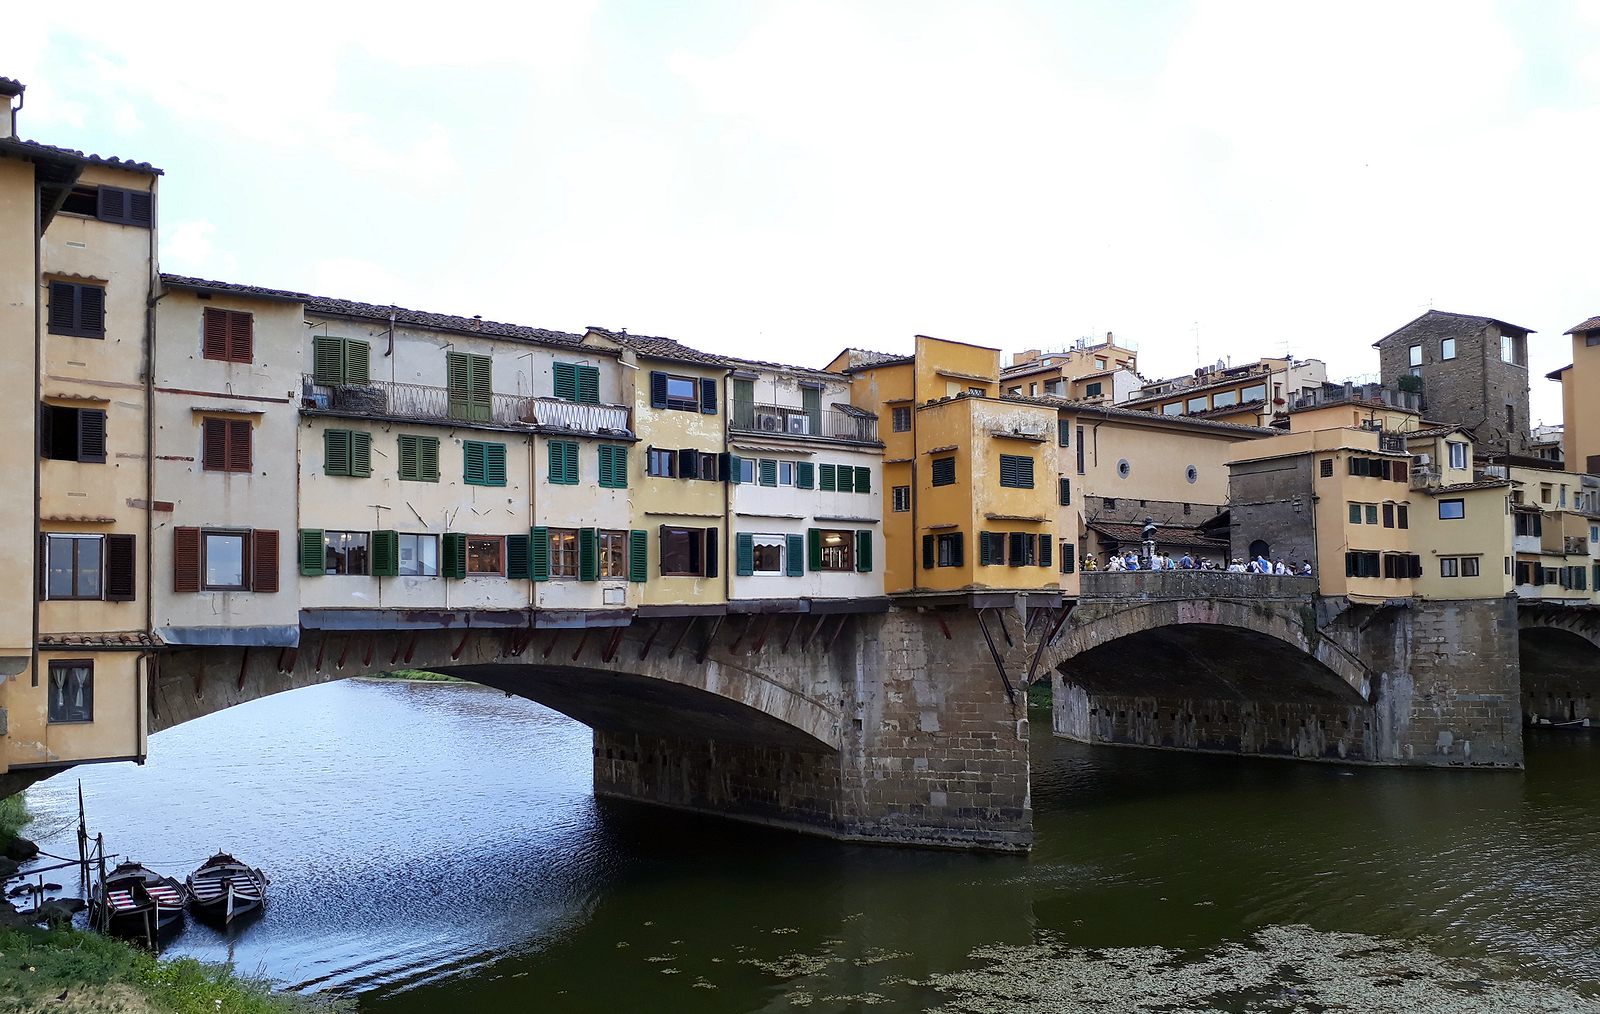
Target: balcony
[794,421]
[1360,394]
[382,399]
[1424,476]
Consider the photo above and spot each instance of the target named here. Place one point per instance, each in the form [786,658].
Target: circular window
[1192,474]
[1123,468]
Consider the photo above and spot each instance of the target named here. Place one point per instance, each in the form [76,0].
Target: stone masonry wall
[1471,390]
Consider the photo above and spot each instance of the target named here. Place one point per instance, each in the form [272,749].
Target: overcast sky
[779,180]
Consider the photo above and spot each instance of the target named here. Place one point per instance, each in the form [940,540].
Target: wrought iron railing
[417,401]
[795,421]
[1192,584]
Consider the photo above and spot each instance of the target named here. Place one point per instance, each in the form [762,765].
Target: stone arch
[646,681]
[1285,633]
[1559,657]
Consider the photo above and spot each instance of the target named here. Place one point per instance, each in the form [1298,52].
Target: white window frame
[421,565]
[778,542]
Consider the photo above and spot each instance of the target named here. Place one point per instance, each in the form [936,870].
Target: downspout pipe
[149,463]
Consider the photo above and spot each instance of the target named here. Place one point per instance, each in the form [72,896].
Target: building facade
[1471,371]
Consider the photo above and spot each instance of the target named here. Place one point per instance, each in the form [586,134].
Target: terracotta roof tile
[1592,324]
[22,147]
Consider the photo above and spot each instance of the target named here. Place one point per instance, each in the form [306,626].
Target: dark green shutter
[805,475]
[428,459]
[472,462]
[588,554]
[658,389]
[984,552]
[767,472]
[313,559]
[556,453]
[494,465]
[357,362]
[846,478]
[480,408]
[813,549]
[927,552]
[744,554]
[603,466]
[518,550]
[361,454]
[864,551]
[566,381]
[811,400]
[453,545]
[336,452]
[409,467]
[539,553]
[570,473]
[327,360]
[1068,563]
[863,479]
[385,553]
[734,463]
[708,396]
[827,477]
[1065,493]
[795,552]
[458,379]
[1045,546]
[638,556]
[589,385]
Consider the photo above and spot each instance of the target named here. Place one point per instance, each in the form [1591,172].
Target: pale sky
[782,179]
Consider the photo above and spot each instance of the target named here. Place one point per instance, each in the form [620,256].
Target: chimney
[10,89]
[1110,339]
[1026,356]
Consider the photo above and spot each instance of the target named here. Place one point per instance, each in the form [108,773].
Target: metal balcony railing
[417,401]
[792,420]
[1367,394]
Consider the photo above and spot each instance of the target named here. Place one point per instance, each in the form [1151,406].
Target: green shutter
[603,466]
[589,385]
[572,463]
[336,452]
[556,453]
[613,470]
[805,475]
[454,548]
[539,553]
[744,554]
[313,559]
[472,462]
[410,467]
[847,479]
[638,556]
[767,472]
[795,555]
[566,381]
[385,547]
[734,463]
[827,476]
[361,454]
[327,360]
[480,408]
[811,400]
[863,479]
[927,552]
[864,551]
[588,554]
[494,464]
[428,459]
[357,362]
[813,549]
[458,379]
[517,554]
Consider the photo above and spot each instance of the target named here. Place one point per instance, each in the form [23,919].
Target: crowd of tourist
[1163,561]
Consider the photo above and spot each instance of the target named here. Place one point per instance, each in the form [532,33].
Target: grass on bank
[417,675]
[13,815]
[102,974]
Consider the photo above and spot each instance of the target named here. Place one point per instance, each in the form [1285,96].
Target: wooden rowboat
[137,902]
[223,889]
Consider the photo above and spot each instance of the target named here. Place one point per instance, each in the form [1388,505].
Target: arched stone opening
[1560,675]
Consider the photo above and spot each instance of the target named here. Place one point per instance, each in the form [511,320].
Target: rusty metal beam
[798,619]
[749,621]
[288,658]
[614,642]
[805,642]
[683,634]
[709,642]
[322,644]
[411,647]
[583,642]
[1000,617]
[943,625]
[766,628]
[555,635]
[655,628]
[999,662]
[244,657]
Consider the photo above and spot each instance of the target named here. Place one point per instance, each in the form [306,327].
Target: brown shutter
[241,337]
[214,445]
[238,445]
[264,561]
[121,568]
[215,340]
[186,559]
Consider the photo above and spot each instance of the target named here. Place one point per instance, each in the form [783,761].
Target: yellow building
[1253,394]
[1580,409]
[970,497]
[1105,372]
[77,254]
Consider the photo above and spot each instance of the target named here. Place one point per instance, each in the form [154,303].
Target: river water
[436,846]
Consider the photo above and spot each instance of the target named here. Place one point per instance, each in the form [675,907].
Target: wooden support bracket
[844,618]
[761,639]
[805,642]
[344,650]
[462,645]
[655,628]
[709,642]
[682,635]
[612,644]
[555,635]
[994,652]
[322,644]
[583,642]
[943,625]
[799,618]
[244,658]
[411,646]
[749,621]
[287,658]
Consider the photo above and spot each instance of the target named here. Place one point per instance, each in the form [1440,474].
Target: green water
[477,873]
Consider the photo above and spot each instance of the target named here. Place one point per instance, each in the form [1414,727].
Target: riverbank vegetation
[417,676]
[67,970]
[13,815]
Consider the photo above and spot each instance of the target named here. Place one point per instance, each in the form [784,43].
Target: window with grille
[900,419]
[901,499]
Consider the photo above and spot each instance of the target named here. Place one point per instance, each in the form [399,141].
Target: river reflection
[437,844]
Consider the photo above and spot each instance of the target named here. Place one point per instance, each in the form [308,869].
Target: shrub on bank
[13,815]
